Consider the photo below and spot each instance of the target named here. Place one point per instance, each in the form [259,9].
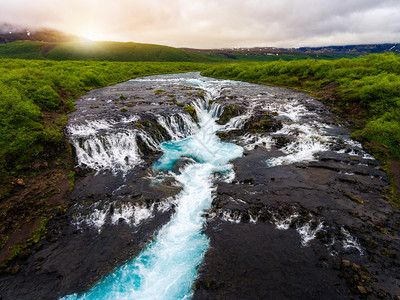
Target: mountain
[272,53]
[10,33]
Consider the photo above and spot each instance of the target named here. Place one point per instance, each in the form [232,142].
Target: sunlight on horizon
[91,34]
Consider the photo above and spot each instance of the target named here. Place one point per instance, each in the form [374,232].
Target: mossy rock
[158,92]
[191,111]
[222,134]
[228,113]
[262,122]
[281,141]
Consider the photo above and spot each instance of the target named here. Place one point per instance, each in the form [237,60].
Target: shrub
[46,98]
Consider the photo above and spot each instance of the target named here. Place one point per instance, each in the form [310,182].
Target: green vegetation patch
[32,90]
[191,111]
[98,51]
[367,88]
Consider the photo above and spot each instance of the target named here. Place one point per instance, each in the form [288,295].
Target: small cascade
[239,121]
[178,126]
[215,109]
[113,151]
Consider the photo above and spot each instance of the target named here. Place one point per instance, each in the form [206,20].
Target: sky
[215,23]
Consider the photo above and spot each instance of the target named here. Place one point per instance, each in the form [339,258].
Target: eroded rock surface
[305,216]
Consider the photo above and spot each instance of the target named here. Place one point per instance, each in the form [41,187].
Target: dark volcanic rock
[262,121]
[229,112]
[305,217]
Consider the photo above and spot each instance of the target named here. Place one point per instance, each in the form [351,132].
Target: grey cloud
[216,23]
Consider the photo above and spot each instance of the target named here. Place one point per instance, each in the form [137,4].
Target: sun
[91,35]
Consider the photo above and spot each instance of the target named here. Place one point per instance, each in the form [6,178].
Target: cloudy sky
[215,23]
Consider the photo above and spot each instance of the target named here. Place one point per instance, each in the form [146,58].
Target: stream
[190,187]
[167,268]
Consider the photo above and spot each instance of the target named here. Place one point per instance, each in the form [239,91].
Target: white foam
[291,109]
[239,121]
[252,140]
[167,204]
[309,140]
[90,127]
[232,217]
[114,151]
[350,241]
[95,220]
[130,119]
[307,233]
[284,224]
[178,126]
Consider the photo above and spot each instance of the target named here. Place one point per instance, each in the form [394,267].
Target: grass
[117,51]
[36,95]
[23,50]
[367,88]
[30,90]
[98,51]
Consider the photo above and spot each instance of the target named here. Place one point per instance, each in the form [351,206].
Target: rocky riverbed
[304,216]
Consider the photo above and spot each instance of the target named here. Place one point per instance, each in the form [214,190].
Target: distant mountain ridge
[10,33]
[273,53]
[20,42]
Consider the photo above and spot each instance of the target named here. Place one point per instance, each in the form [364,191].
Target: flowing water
[167,268]
[199,162]
[265,206]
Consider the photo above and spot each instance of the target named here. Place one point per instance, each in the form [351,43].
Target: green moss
[229,112]
[192,111]
[71,178]
[389,253]
[124,109]
[158,92]
[222,134]
[37,235]
[122,97]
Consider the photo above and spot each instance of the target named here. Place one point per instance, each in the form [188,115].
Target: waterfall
[167,268]
[114,151]
[178,126]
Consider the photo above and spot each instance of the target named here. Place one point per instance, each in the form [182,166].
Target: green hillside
[98,51]
[23,50]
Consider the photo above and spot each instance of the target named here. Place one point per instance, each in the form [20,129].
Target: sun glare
[91,35]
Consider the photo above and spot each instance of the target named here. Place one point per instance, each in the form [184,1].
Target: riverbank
[37,168]
[365,91]
[301,180]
